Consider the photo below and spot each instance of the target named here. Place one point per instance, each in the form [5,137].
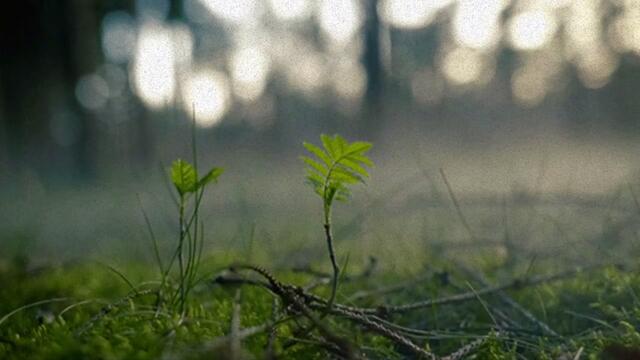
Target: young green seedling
[340,165]
[184,177]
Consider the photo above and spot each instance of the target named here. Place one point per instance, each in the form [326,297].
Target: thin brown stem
[334,264]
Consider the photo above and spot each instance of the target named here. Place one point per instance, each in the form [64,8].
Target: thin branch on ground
[467,296]
[504,297]
[112,306]
[391,288]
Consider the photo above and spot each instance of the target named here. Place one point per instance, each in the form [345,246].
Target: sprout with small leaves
[185,177]
[333,170]
[186,181]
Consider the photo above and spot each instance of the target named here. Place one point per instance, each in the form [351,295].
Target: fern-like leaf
[336,166]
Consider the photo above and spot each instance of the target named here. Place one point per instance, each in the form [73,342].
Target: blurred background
[515,99]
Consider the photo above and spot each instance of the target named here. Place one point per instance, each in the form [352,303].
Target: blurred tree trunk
[22,68]
[80,24]
[175,10]
[621,99]
[4,141]
[46,46]
[372,62]
[82,30]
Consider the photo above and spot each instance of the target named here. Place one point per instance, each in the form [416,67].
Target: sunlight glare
[183,43]
[250,68]
[154,66]
[626,30]
[476,23]
[530,30]
[586,48]
[462,66]
[583,28]
[544,4]
[207,92]
[340,20]
[237,12]
[410,14]
[291,10]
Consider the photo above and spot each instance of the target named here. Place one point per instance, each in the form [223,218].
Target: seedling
[340,165]
[189,186]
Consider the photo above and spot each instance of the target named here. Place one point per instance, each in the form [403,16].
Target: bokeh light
[260,46]
[530,30]
[92,92]
[595,68]
[236,12]
[207,93]
[625,30]
[462,66]
[476,23]
[537,75]
[340,20]
[582,28]
[291,10]
[154,78]
[183,43]
[410,14]
[118,36]
[349,79]
[249,70]
[528,87]
[309,75]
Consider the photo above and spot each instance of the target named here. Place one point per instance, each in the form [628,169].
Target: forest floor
[522,277]
[483,309]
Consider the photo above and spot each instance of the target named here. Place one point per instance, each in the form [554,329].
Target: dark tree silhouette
[372,61]
[46,46]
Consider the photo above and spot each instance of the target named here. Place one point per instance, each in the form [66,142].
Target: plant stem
[180,248]
[192,237]
[334,263]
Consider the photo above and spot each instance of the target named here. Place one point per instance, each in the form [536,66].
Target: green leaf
[184,177]
[343,194]
[361,159]
[341,175]
[315,179]
[321,169]
[211,176]
[317,152]
[330,194]
[336,166]
[340,143]
[330,146]
[353,166]
[360,147]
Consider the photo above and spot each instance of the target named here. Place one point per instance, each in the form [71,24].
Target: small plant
[333,170]
[189,186]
